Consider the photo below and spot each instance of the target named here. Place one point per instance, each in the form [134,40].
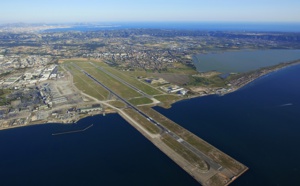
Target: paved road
[211,163]
[122,81]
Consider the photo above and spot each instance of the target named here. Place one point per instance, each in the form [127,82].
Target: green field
[167,99]
[213,81]
[185,153]
[142,121]
[118,104]
[180,131]
[3,94]
[133,81]
[87,85]
[161,119]
[180,68]
[114,84]
[140,101]
[109,81]
[137,73]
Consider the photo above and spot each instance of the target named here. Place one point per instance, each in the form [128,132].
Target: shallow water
[244,60]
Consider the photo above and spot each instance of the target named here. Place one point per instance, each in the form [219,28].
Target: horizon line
[124,22]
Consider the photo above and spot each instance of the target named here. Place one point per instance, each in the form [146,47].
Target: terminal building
[95,107]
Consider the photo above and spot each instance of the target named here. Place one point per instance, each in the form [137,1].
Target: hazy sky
[149,10]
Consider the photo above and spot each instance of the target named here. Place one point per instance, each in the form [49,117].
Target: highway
[208,160]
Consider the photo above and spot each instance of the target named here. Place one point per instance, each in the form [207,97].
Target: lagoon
[243,60]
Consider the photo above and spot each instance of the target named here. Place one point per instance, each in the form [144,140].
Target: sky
[60,11]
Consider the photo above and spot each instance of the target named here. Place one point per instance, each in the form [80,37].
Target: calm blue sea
[204,26]
[109,153]
[259,125]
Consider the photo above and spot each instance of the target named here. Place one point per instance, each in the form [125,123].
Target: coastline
[249,77]
[254,75]
[239,83]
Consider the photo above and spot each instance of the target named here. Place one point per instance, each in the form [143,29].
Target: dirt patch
[200,89]
[177,79]
[218,179]
[207,74]
[15,103]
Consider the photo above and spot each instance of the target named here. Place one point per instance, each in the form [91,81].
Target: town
[129,49]
[30,57]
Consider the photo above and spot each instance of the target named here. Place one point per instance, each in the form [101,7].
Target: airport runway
[207,159]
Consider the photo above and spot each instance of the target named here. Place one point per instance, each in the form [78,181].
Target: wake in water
[285,105]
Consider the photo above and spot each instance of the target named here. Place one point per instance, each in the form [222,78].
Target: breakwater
[73,131]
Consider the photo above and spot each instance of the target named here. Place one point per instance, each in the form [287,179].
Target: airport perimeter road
[208,160]
[122,81]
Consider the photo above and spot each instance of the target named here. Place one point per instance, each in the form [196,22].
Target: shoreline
[257,75]
[250,77]
[204,179]
[262,72]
